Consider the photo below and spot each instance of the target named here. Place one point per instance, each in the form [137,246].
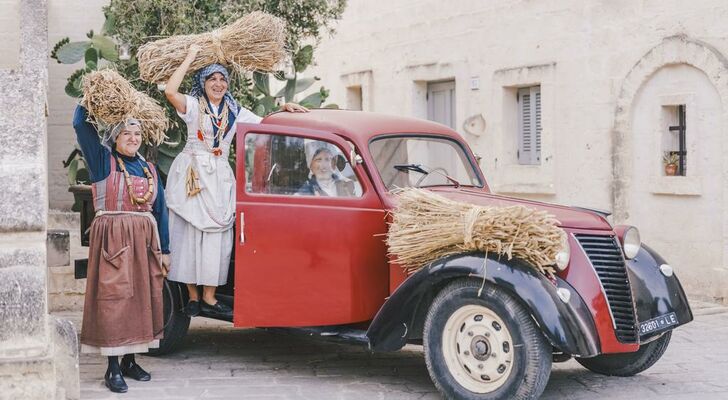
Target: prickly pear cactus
[92,52]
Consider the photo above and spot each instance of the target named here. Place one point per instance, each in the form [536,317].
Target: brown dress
[123,306]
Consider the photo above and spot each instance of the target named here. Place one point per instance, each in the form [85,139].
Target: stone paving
[219,362]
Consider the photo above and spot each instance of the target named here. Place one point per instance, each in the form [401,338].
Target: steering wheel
[441,169]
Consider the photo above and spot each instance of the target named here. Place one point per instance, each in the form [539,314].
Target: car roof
[358,126]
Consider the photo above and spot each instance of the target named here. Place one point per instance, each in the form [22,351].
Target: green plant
[77,171]
[267,102]
[92,52]
[133,23]
[77,174]
[670,157]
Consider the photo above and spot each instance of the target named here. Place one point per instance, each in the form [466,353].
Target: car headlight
[562,257]
[631,242]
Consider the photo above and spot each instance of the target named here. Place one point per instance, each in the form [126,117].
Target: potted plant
[670,159]
[79,183]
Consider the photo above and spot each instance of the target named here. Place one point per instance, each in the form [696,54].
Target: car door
[305,257]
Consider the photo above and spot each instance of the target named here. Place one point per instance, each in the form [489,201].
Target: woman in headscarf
[201,185]
[128,251]
[324,178]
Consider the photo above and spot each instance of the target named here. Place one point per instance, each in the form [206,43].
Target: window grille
[680,129]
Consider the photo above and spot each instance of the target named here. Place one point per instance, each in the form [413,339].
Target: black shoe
[192,309]
[136,372]
[115,382]
[217,310]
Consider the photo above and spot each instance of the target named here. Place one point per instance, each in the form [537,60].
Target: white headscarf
[109,139]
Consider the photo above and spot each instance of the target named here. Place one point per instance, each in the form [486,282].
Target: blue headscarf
[198,85]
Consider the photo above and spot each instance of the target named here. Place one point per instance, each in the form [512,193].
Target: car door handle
[242,227]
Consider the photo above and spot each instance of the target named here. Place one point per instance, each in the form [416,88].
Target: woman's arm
[159,210]
[171,90]
[94,153]
[248,117]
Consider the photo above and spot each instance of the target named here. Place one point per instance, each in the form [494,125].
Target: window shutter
[536,92]
[524,126]
[529,125]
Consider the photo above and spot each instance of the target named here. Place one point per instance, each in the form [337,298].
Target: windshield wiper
[424,170]
[410,167]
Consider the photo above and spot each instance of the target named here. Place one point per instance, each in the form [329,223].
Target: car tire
[176,323]
[628,364]
[484,347]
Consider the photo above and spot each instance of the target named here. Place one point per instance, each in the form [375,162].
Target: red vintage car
[310,256]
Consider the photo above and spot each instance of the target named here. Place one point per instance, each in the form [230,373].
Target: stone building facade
[610,78]
[38,353]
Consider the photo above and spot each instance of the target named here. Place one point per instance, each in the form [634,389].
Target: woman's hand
[165,264]
[293,107]
[192,52]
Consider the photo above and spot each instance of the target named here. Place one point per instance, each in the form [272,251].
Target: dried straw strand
[253,42]
[110,99]
[427,227]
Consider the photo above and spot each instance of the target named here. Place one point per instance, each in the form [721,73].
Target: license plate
[657,324]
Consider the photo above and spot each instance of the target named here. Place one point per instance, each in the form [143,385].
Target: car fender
[567,325]
[656,294]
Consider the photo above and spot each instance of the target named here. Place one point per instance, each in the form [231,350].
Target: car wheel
[485,347]
[628,364]
[176,322]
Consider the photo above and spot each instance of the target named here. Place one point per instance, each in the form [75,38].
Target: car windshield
[421,161]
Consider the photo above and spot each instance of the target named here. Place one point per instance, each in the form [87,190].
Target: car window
[295,166]
[420,161]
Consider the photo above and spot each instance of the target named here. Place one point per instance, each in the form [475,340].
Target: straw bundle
[253,42]
[110,99]
[427,227]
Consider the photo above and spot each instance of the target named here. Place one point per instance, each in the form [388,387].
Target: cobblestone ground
[219,362]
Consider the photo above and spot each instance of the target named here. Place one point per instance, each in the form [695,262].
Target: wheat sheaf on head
[255,42]
[111,99]
[426,227]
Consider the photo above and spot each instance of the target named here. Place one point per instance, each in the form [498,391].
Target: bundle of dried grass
[110,99]
[427,226]
[253,42]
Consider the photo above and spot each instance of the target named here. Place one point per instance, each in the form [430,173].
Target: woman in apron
[128,250]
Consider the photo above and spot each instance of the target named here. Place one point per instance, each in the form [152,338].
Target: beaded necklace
[220,123]
[130,188]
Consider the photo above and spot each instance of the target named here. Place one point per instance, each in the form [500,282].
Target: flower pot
[670,169]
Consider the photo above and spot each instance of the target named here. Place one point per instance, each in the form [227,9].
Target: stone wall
[38,354]
[73,19]
[593,59]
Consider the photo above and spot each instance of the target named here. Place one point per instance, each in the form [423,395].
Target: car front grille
[606,257]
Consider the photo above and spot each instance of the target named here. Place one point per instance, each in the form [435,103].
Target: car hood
[568,217]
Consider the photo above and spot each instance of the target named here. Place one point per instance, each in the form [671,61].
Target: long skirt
[198,257]
[123,308]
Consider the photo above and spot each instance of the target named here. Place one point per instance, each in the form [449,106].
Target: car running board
[340,334]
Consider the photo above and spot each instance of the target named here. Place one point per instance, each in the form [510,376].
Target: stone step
[58,248]
[65,293]
[59,219]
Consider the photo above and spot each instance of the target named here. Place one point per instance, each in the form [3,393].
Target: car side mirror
[478,158]
[354,158]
